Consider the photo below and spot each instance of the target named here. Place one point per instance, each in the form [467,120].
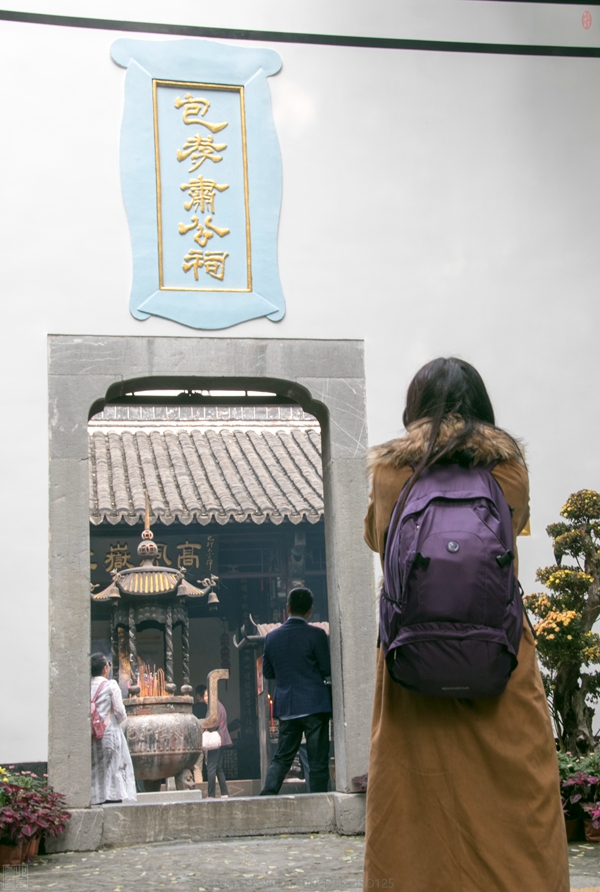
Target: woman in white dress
[112,772]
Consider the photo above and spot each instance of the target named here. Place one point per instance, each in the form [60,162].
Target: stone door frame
[327,378]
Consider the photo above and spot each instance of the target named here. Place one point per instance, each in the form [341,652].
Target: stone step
[182,815]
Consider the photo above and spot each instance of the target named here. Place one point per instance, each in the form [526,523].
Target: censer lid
[147,579]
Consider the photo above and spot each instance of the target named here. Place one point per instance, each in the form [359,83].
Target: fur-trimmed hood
[486,444]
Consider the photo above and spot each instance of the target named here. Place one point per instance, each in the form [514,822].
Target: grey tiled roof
[203,473]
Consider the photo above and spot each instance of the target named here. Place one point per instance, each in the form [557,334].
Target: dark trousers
[316,729]
[302,755]
[214,770]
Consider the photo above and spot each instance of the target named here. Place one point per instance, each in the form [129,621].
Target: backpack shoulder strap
[400,494]
[98,689]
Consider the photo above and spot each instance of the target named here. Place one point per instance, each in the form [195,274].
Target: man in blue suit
[296,655]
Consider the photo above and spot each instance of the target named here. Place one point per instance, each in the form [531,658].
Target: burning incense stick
[151,680]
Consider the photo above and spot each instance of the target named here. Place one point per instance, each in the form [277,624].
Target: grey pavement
[584,862]
[317,862]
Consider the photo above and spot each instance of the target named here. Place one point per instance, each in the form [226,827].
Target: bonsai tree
[565,614]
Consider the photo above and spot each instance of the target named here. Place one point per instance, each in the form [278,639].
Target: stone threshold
[187,817]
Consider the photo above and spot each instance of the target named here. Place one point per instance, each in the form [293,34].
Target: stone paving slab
[321,863]
[316,862]
[584,864]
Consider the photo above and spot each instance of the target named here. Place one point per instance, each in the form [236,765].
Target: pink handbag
[98,726]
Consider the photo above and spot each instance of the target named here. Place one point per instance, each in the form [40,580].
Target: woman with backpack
[463,788]
[112,770]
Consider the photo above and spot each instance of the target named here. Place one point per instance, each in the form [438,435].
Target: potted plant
[591,821]
[29,810]
[568,648]
[568,767]
[579,793]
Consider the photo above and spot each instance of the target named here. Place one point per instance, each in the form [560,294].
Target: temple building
[234,492]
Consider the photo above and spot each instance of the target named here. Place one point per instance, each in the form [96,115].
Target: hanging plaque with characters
[201,178]
[197,555]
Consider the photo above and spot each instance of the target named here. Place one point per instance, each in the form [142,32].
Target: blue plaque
[201,178]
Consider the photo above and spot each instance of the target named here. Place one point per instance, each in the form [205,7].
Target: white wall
[434,203]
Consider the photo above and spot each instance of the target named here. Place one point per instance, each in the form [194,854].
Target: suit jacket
[296,655]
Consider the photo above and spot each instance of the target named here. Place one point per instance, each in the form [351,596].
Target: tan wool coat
[463,795]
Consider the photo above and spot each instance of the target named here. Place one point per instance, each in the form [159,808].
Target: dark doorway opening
[234,480]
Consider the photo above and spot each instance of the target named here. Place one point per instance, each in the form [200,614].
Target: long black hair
[441,388]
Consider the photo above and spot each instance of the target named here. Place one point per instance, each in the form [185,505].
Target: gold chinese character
[161,556]
[188,556]
[197,107]
[202,193]
[117,558]
[93,566]
[210,544]
[194,260]
[213,263]
[205,230]
[199,148]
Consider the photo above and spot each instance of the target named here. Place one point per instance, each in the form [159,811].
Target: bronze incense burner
[163,735]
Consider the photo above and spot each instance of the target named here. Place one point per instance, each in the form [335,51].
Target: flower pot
[573,827]
[11,853]
[592,834]
[31,847]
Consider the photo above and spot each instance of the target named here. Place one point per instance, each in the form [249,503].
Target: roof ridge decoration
[127,414]
[253,633]
[200,158]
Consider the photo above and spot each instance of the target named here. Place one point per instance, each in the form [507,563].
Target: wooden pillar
[114,645]
[186,687]
[134,688]
[169,684]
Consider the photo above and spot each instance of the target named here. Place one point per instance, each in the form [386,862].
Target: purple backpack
[451,614]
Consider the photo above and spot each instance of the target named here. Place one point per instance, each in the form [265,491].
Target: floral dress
[112,770]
